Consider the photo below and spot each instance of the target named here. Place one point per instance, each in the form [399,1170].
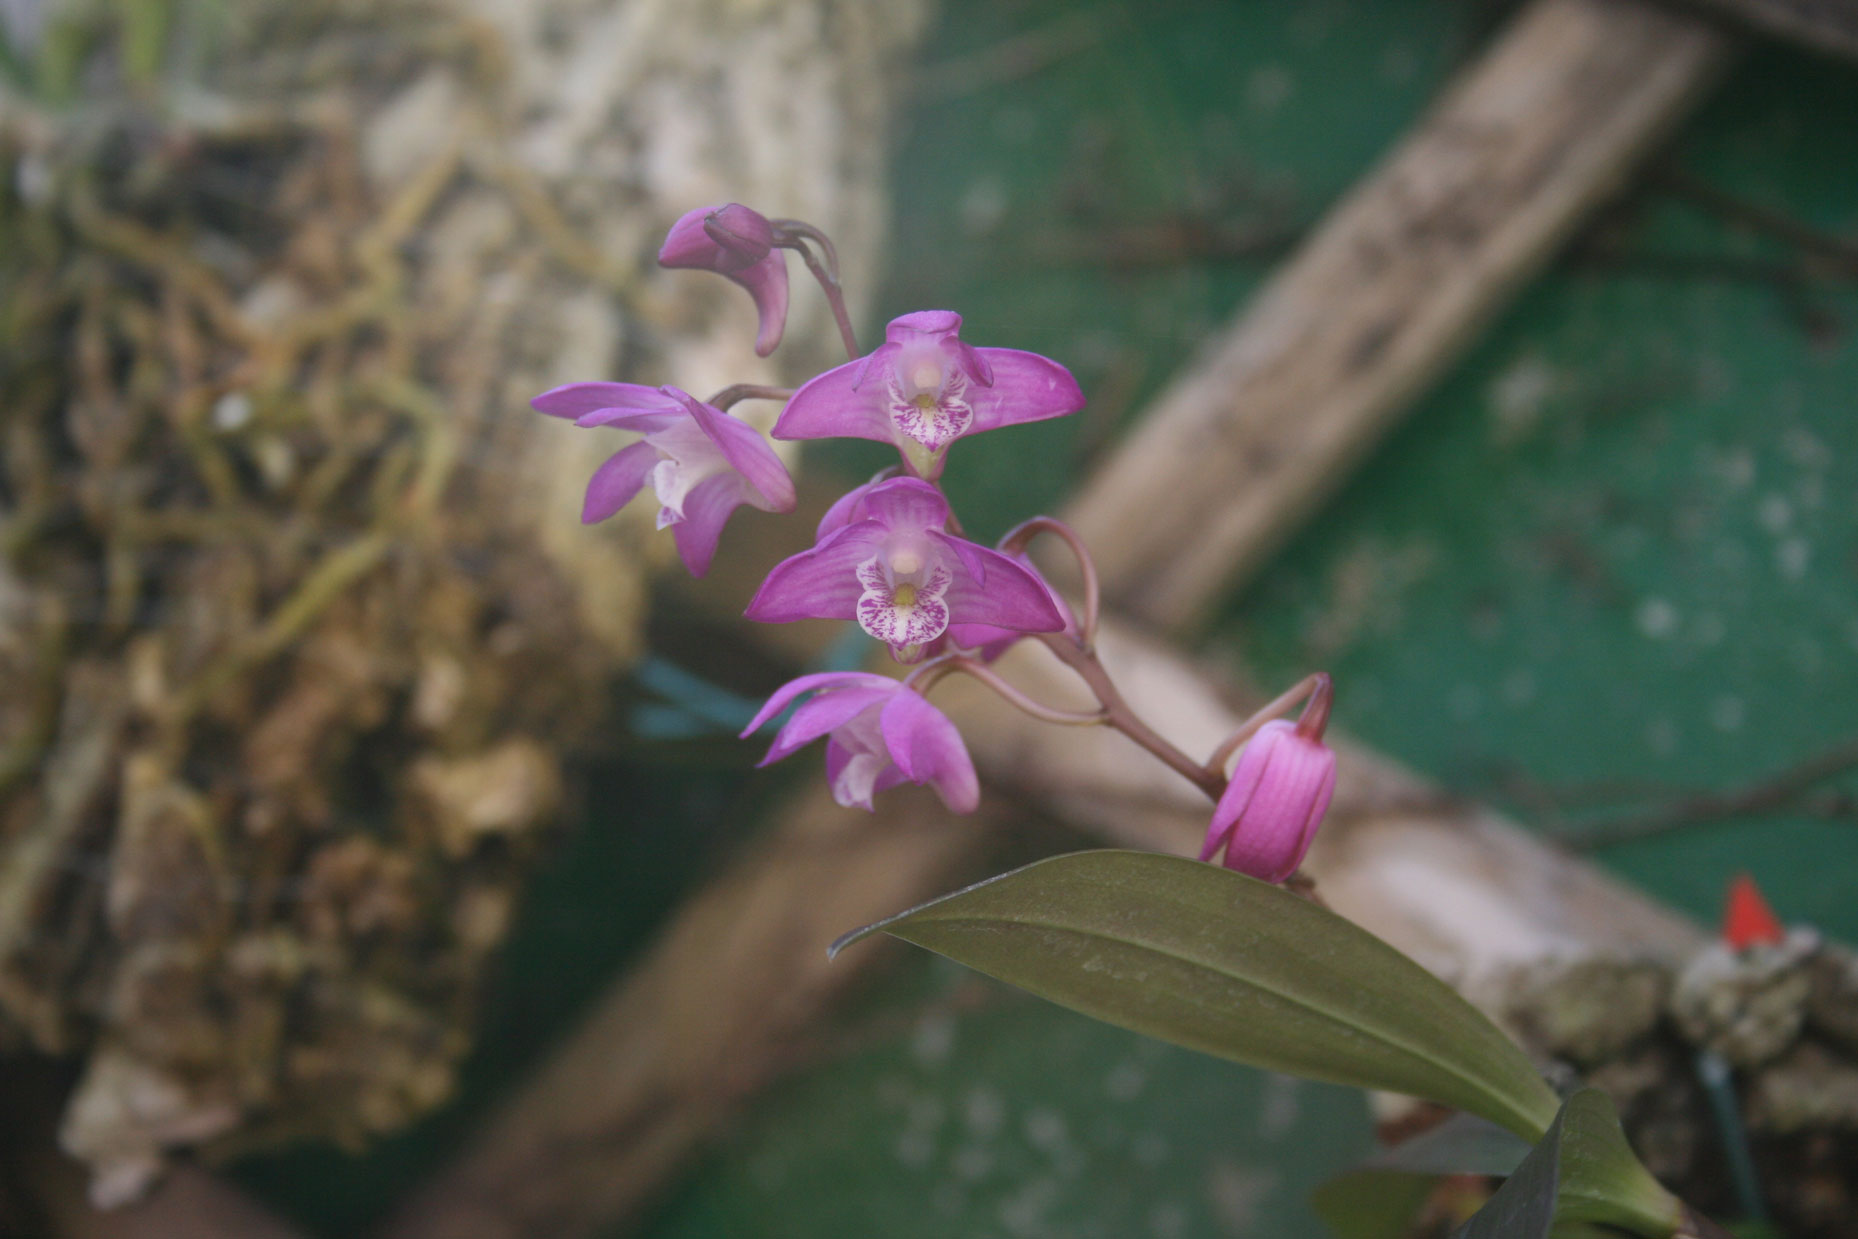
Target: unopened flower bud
[1277,797]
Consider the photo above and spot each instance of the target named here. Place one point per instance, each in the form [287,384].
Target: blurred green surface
[1618,544]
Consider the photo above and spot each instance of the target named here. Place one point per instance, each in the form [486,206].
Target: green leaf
[1580,1179]
[1602,1180]
[1377,1199]
[1213,960]
[1524,1207]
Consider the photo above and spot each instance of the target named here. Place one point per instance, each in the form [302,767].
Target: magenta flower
[701,462]
[879,733]
[893,566]
[1274,803]
[924,388]
[734,241]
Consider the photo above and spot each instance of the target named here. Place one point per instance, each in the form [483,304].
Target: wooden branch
[1829,26]
[1385,295]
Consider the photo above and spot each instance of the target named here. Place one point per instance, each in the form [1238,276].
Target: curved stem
[1117,714]
[1022,534]
[1316,687]
[747,391]
[986,675]
[794,234]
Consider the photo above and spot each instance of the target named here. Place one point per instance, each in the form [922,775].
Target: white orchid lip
[930,404]
[908,613]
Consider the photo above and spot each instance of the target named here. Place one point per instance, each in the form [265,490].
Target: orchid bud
[1269,812]
[736,242]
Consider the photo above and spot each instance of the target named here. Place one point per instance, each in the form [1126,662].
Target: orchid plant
[1239,960]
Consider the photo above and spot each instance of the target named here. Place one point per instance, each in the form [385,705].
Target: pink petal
[616,481]
[821,680]
[818,584]
[706,510]
[581,399]
[834,406]
[723,239]
[839,759]
[907,504]
[845,510]
[928,749]
[1026,388]
[747,453]
[1011,598]
[766,282]
[825,713]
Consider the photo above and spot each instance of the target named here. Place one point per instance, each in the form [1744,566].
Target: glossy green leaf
[1216,961]
[1581,1176]
[1377,1199]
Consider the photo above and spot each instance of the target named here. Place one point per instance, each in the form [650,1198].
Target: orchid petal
[766,282]
[927,748]
[822,681]
[821,583]
[616,481]
[826,712]
[845,510]
[833,405]
[580,399]
[907,503]
[747,453]
[1026,388]
[706,511]
[965,552]
[1012,598]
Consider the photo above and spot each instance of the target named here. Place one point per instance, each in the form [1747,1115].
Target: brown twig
[1775,793]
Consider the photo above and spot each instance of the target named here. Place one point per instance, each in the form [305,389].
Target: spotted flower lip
[891,564]
[924,387]
[702,463]
[879,733]
[737,242]
[1276,799]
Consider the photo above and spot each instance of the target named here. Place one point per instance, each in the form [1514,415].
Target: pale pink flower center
[686,456]
[928,401]
[902,602]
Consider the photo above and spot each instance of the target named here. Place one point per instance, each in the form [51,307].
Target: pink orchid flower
[1269,813]
[923,388]
[734,241]
[879,733]
[701,462]
[893,566]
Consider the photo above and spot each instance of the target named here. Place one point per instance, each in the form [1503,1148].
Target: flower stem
[1117,714]
[986,675]
[793,234]
[1023,533]
[747,391]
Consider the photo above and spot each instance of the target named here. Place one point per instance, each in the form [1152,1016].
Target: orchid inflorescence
[891,555]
